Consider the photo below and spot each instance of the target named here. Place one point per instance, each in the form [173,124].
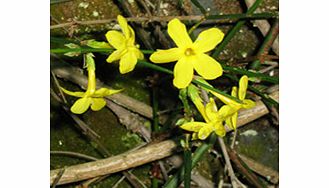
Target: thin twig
[118,182]
[264,48]
[164,19]
[59,87]
[264,27]
[244,169]
[267,172]
[271,67]
[234,138]
[58,177]
[74,154]
[234,180]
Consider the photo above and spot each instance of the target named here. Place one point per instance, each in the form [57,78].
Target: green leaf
[72,45]
[95,44]
[72,54]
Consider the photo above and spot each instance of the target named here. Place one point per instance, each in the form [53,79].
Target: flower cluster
[214,118]
[190,56]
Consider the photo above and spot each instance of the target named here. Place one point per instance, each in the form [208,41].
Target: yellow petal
[131,39]
[231,121]
[225,99]
[211,111]
[102,92]
[205,131]
[226,111]
[75,94]
[116,55]
[97,104]
[137,53]
[206,66]
[247,103]
[116,39]
[165,56]
[193,126]
[183,73]
[208,39]
[124,26]
[177,31]
[234,91]
[81,105]
[220,129]
[243,85]
[127,62]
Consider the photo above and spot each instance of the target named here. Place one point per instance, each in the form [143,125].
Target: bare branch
[115,164]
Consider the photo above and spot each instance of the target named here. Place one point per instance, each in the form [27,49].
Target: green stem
[154,67]
[183,97]
[161,69]
[264,15]
[234,30]
[155,182]
[263,77]
[268,100]
[187,167]
[176,179]
[265,97]
[216,90]
[86,50]
[197,4]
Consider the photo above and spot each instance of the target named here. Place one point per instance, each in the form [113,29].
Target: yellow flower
[124,44]
[214,122]
[232,107]
[92,97]
[190,55]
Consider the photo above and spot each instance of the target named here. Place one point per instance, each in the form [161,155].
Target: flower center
[189,52]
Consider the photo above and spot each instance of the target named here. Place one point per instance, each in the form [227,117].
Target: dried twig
[132,121]
[249,175]
[160,19]
[58,87]
[264,27]
[58,177]
[115,164]
[74,154]
[234,180]
[268,173]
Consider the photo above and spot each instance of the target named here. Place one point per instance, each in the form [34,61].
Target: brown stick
[250,176]
[267,172]
[115,164]
[264,27]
